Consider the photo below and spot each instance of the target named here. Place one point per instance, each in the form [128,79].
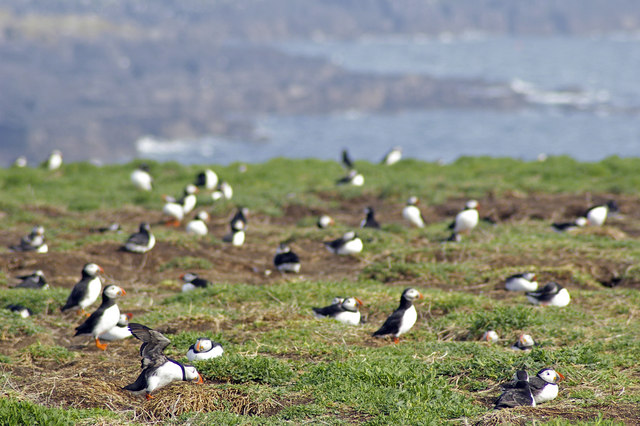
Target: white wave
[578,98]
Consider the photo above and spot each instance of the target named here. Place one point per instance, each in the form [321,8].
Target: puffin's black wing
[200,282]
[31,281]
[76,295]
[87,326]
[139,385]
[343,180]
[346,160]
[518,396]
[288,257]
[547,293]
[392,324]
[139,238]
[335,244]
[329,311]
[153,346]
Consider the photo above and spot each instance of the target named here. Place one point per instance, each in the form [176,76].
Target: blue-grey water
[583,96]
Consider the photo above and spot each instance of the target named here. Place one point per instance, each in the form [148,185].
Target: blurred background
[222,81]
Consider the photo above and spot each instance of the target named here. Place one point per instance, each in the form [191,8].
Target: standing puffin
[343,310]
[403,318]
[204,348]
[521,282]
[392,156]
[552,294]
[35,281]
[349,243]
[519,395]
[157,369]
[412,213]
[198,226]
[192,281]
[33,242]
[466,219]
[141,241]
[119,331]
[104,318]
[141,178]
[369,221]
[285,260]
[238,225]
[86,291]
[207,179]
[54,161]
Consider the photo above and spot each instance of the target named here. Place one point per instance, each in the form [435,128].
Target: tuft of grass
[242,369]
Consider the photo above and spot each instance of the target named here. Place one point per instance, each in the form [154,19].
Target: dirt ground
[58,383]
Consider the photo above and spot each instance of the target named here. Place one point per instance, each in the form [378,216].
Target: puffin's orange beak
[198,346]
[420,295]
[199,380]
[122,290]
[359,301]
[129,315]
[560,376]
[100,268]
[182,277]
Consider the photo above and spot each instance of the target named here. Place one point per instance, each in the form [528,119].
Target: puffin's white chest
[92,294]
[141,180]
[351,247]
[547,393]
[412,214]
[173,210]
[466,220]
[214,352]
[351,318]
[197,227]
[408,320]
[521,284]
[597,215]
[115,333]
[163,375]
[107,321]
[561,299]
[189,203]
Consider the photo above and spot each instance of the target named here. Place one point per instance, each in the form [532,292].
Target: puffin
[343,310]
[204,348]
[54,161]
[519,395]
[119,331]
[104,318]
[20,310]
[198,226]
[521,282]
[524,343]
[207,179]
[490,336]
[192,281]
[552,294]
[597,215]
[176,209]
[544,386]
[20,162]
[324,221]
[353,178]
[86,291]
[570,226]
[112,227]
[466,219]
[224,191]
[34,281]
[392,157]
[286,260]
[347,162]
[349,243]
[141,178]
[412,213]
[369,221]
[239,221]
[141,241]
[403,318]
[157,369]
[33,242]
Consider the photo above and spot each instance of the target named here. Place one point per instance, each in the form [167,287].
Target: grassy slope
[327,372]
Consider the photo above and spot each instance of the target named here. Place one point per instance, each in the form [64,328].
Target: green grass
[321,371]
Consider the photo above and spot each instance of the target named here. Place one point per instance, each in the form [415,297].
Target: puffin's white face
[113,291]
[529,276]
[123,321]
[283,248]
[490,336]
[526,340]
[581,221]
[412,201]
[349,236]
[203,344]
[188,277]
[203,216]
[550,375]
[192,374]
[337,300]
[144,226]
[92,269]
[471,204]
[38,229]
[190,189]
[351,303]
[412,294]
[39,273]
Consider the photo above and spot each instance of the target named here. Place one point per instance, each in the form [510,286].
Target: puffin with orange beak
[403,318]
[157,369]
[104,318]
[204,348]
[86,291]
[343,310]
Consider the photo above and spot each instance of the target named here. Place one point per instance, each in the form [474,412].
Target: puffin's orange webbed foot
[101,345]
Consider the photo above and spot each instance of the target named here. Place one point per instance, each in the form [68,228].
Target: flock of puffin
[107,323]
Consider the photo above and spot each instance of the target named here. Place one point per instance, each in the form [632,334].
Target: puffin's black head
[91,269]
[144,227]
[112,291]
[411,294]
